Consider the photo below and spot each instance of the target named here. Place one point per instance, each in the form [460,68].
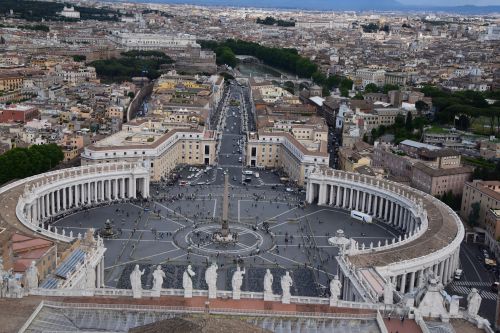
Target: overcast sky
[450,2]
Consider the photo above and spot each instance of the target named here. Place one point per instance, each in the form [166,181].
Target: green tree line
[269,20]
[19,163]
[131,64]
[38,10]
[282,58]
[461,107]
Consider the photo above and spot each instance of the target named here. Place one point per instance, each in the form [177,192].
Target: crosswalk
[463,288]
[472,284]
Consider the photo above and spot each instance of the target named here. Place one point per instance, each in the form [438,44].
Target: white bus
[248,172]
[361,216]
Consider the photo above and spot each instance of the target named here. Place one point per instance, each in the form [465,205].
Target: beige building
[350,159]
[10,82]
[486,193]
[438,181]
[492,224]
[283,151]
[158,148]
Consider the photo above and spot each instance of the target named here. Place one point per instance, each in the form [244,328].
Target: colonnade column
[370,203]
[412,281]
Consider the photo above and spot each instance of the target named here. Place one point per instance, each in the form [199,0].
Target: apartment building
[281,150]
[486,193]
[156,147]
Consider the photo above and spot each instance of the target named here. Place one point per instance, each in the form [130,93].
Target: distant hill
[338,5]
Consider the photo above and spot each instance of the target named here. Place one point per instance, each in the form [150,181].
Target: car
[234,178]
[458,274]
[494,287]
[289,189]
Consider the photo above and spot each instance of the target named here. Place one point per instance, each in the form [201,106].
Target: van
[256,175]
[458,274]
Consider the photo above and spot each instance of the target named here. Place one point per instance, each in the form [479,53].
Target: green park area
[19,163]
[131,64]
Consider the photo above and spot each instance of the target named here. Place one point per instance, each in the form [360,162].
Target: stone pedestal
[268,296]
[236,294]
[212,293]
[188,293]
[137,294]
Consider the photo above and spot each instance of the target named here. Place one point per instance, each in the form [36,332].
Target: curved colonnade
[431,231]
[46,196]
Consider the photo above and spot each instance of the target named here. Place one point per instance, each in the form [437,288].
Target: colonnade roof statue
[187,283]
[135,281]
[211,280]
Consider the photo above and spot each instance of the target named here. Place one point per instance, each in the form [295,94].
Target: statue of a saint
[388,292]
[158,276]
[335,288]
[31,276]
[268,286]
[237,282]
[135,282]
[473,302]
[286,284]
[187,283]
[211,280]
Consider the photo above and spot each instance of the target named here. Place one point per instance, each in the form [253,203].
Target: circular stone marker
[199,239]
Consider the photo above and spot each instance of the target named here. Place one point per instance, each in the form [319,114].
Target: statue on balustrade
[187,282]
[335,288]
[211,280]
[31,276]
[268,286]
[473,302]
[237,282]
[135,282]
[158,276]
[388,292]
[286,284]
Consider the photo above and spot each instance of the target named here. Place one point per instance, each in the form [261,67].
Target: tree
[400,121]
[473,218]
[79,58]
[371,88]
[421,106]
[131,94]
[409,122]
[388,87]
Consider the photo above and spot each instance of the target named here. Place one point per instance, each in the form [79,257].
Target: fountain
[108,231]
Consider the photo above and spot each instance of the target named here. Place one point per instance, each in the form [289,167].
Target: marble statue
[187,283]
[237,281]
[158,276]
[31,277]
[211,280]
[473,302]
[388,292]
[268,286]
[335,288]
[135,281]
[14,289]
[454,305]
[286,284]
